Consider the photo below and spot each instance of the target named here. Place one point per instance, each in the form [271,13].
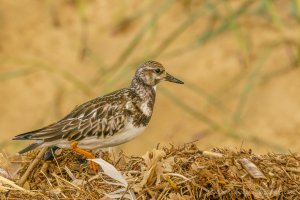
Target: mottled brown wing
[101,117]
[101,121]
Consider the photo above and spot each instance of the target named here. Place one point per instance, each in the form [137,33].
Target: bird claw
[94,166]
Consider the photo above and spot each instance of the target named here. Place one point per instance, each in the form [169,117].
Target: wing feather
[100,117]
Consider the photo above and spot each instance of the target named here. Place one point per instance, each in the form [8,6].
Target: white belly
[110,141]
[129,132]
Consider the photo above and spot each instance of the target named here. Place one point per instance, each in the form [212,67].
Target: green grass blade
[209,34]
[16,73]
[36,65]
[138,37]
[178,31]
[252,80]
[208,97]
[216,127]
[188,108]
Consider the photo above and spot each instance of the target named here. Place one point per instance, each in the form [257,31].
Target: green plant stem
[252,80]
[204,37]
[216,127]
[138,37]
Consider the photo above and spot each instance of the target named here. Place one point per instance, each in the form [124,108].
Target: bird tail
[28,136]
[31,146]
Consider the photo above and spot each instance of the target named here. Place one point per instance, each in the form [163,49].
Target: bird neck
[142,89]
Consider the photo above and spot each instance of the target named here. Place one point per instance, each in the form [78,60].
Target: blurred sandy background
[239,59]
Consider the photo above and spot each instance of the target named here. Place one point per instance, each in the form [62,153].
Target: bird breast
[145,108]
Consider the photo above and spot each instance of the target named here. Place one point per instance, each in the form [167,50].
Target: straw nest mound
[165,173]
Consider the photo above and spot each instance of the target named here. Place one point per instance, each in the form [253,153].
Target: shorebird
[105,121]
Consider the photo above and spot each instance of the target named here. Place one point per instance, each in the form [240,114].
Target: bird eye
[157,71]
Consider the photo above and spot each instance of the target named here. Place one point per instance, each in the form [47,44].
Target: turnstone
[105,121]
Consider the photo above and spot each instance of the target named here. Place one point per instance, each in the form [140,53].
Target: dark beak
[173,79]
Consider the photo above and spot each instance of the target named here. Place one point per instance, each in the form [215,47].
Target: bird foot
[94,166]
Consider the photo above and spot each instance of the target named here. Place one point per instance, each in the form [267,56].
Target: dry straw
[166,173]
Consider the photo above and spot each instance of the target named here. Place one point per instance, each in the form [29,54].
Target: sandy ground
[250,71]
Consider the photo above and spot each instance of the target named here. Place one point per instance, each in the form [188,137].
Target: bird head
[152,72]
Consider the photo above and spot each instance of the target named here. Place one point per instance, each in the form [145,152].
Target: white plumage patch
[145,109]
[128,133]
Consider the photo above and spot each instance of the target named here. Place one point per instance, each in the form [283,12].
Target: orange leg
[86,154]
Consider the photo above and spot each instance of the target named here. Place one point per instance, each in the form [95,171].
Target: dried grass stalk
[167,173]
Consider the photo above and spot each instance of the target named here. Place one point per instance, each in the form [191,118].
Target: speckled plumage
[108,120]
